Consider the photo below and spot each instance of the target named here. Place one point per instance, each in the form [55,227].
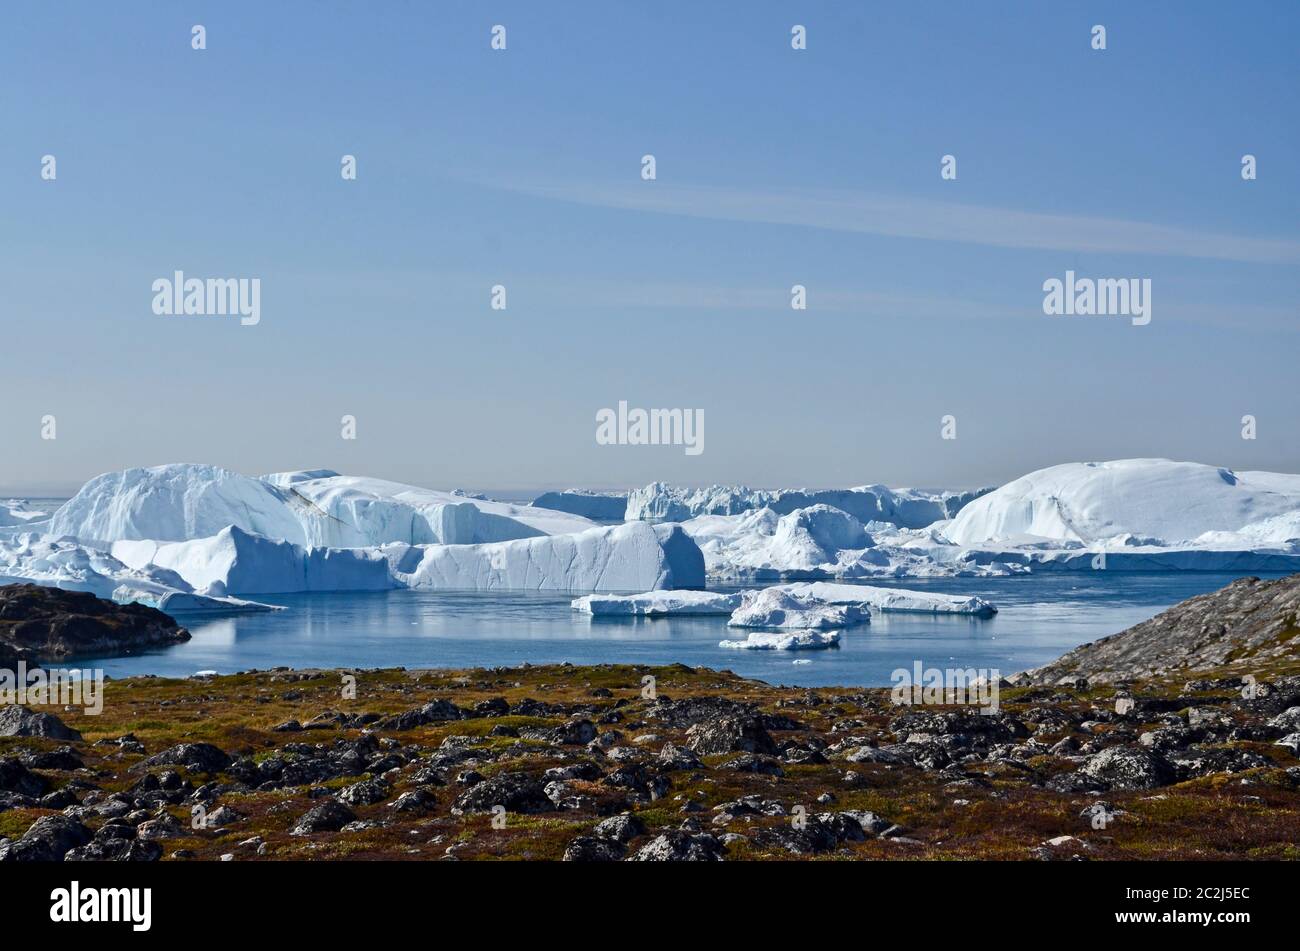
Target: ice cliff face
[631,557]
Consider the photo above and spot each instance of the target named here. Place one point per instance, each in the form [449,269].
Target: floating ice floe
[658,603]
[781,609]
[784,641]
[898,600]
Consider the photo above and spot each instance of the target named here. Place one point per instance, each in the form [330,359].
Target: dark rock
[39,623]
[196,757]
[623,828]
[680,847]
[20,721]
[516,792]
[116,850]
[46,840]
[435,711]
[1125,767]
[329,816]
[17,778]
[742,733]
[589,848]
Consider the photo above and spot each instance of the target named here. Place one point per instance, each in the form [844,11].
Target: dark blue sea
[1040,617]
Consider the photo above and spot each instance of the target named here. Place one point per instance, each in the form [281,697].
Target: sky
[522,167]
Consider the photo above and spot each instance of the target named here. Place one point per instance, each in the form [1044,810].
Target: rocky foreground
[574,763]
[611,763]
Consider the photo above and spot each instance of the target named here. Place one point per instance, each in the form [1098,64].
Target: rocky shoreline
[42,624]
[603,763]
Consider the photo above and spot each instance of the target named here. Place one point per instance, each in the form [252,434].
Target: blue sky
[522,167]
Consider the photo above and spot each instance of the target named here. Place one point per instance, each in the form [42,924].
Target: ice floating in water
[785,641]
[315,507]
[1133,501]
[778,608]
[234,561]
[658,603]
[619,558]
[605,506]
[891,599]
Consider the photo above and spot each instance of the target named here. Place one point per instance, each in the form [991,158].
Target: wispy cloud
[923,219]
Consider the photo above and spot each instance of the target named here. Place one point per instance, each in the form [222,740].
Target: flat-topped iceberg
[658,603]
[631,557]
[784,641]
[891,599]
[603,506]
[781,608]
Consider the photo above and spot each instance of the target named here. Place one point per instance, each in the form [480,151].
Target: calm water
[1040,617]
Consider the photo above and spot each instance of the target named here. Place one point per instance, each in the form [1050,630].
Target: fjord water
[1040,617]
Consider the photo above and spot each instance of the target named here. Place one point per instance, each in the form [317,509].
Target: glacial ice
[235,561]
[1155,501]
[785,641]
[658,603]
[602,506]
[635,556]
[898,600]
[781,608]
[317,508]
[906,508]
[64,563]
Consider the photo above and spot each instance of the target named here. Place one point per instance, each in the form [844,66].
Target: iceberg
[64,563]
[236,561]
[600,506]
[318,508]
[635,556]
[175,503]
[906,508]
[1132,501]
[891,599]
[785,641]
[658,603]
[781,608]
[17,515]
[814,542]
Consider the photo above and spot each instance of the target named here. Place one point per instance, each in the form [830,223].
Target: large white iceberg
[632,557]
[1132,502]
[319,508]
[64,563]
[234,561]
